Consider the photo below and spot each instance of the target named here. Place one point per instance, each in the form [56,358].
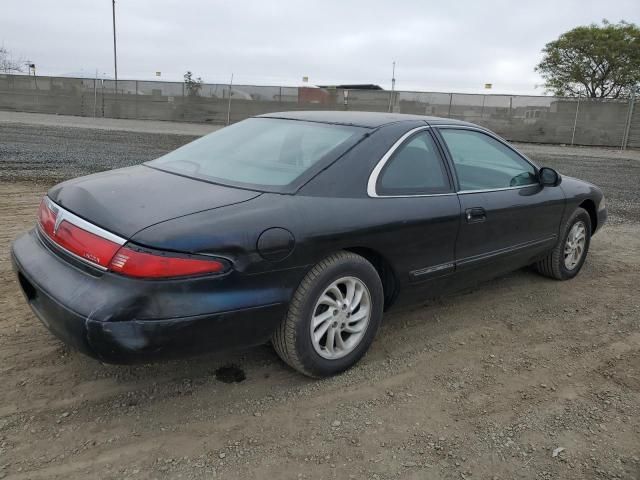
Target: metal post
[482,110]
[229,104]
[393,85]
[137,115]
[575,121]
[115,55]
[627,128]
[450,101]
[95,93]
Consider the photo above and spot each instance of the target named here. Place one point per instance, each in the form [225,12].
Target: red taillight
[134,263]
[46,217]
[61,227]
[74,239]
[84,244]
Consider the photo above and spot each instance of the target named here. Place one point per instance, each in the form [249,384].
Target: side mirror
[549,177]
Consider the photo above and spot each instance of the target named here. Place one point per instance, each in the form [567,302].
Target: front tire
[566,259]
[333,317]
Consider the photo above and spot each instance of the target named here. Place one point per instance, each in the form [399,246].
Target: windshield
[260,151]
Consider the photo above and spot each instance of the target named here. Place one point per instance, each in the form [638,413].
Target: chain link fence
[540,119]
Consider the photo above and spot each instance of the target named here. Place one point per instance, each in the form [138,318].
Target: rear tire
[567,257]
[333,316]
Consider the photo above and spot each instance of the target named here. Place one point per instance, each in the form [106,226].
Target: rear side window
[484,163]
[416,168]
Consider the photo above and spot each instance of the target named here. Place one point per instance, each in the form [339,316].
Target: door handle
[475,214]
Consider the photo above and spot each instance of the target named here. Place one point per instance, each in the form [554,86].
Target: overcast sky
[455,45]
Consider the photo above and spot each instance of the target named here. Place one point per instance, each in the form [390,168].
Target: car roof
[359,119]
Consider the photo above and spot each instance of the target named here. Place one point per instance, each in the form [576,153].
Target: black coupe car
[300,228]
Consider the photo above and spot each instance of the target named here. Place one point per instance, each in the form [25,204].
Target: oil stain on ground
[230,374]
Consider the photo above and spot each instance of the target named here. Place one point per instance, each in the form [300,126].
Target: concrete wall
[518,118]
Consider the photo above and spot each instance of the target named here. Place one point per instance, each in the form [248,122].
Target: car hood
[127,200]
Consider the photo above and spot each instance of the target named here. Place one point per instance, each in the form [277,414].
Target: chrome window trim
[65,215]
[373,178]
[416,195]
[486,190]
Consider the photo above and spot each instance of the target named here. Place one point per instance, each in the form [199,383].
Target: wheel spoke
[351,289]
[356,328]
[331,337]
[359,315]
[340,345]
[319,333]
[321,318]
[327,300]
[356,299]
[337,293]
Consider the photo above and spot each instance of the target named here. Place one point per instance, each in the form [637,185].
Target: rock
[557,451]
[222,454]
[336,423]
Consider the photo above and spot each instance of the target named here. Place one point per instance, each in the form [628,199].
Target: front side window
[260,152]
[483,163]
[415,168]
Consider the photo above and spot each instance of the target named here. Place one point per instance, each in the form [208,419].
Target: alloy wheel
[574,245]
[340,318]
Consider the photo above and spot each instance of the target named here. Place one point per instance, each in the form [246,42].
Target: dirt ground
[486,384]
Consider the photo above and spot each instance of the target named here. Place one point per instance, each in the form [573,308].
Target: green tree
[193,85]
[597,61]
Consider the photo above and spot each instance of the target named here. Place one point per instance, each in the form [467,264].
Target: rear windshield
[260,152]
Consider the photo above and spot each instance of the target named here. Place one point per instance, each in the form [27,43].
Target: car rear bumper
[120,320]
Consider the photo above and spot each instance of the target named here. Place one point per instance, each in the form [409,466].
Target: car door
[507,217]
[414,189]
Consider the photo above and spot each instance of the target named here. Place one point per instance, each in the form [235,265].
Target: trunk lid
[127,200]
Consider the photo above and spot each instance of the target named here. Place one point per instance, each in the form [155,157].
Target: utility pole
[115,55]
[229,104]
[393,84]
[95,94]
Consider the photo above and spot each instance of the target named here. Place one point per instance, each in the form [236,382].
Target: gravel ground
[48,154]
[128,125]
[521,377]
